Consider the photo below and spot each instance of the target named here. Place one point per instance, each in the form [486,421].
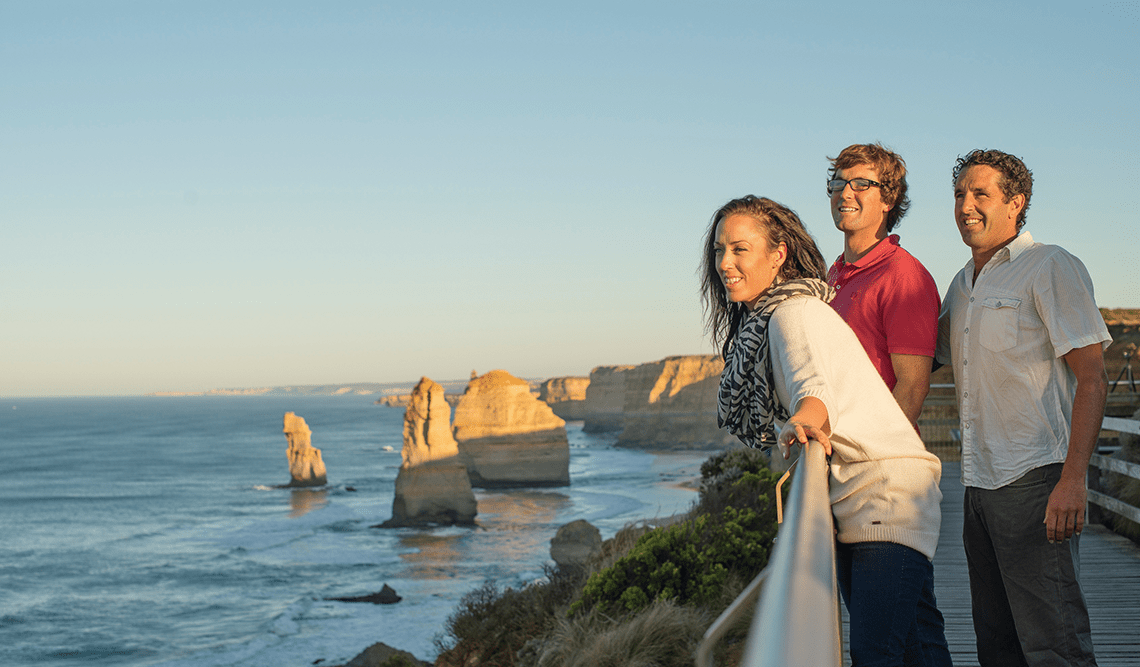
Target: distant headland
[352,388]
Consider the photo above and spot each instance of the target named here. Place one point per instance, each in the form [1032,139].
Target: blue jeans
[1027,600]
[889,592]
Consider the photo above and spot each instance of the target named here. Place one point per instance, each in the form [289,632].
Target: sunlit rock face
[575,544]
[427,426]
[305,465]
[671,404]
[605,399]
[507,437]
[432,486]
[566,396]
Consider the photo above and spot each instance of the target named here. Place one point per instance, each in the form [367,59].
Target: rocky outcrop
[394,400]
[507,437]
[432,486]
[380,655]
[575,544]
[605,399]
[566,396]
[672,404]
[305,465]
[404,400]
[387,595]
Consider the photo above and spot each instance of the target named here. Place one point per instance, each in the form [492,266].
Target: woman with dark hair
[795,371]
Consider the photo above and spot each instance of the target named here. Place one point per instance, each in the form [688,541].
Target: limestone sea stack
[507,437]
[432,486]
[305,465]
[566,396]
[671,404]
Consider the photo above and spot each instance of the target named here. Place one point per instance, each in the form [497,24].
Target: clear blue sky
[234,194]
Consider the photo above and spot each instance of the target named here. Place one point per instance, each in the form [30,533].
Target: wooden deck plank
[1110,576]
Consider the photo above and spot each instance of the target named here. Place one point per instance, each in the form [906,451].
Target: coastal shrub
[737,478]
[729,535]
[491,626]
[688,563]
[651,594]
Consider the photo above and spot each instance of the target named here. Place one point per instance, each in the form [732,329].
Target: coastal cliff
[671,403]
[605,399]
[566,396]
[507,437]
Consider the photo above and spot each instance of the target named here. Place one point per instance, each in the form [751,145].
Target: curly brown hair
[892,174]
[781,225]
[1016,179]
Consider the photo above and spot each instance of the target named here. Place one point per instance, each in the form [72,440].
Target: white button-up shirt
[1005,336]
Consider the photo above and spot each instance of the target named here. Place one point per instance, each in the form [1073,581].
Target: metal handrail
[797,620]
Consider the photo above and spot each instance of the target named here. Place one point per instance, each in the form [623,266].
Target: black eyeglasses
[836,185]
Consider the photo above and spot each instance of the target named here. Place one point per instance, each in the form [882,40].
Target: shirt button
[967,329]
[965,394]
[965,362]
[971,299]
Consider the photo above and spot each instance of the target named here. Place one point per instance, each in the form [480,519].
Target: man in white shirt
[1025,337]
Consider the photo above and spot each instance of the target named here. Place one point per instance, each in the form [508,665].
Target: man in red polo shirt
[886,295]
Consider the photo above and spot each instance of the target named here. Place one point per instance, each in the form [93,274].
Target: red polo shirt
[891,302]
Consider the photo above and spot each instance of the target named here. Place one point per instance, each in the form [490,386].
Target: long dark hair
[781,225]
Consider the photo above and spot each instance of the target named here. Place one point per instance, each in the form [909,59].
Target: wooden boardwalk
[1110,576]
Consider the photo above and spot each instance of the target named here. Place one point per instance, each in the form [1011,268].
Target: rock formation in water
[671,404]
[605,399]
[305,465]
[427,426]
[387,595]
[575,544]
[566,396]
[404,400]
[507,437]
[432,486]
[380,654]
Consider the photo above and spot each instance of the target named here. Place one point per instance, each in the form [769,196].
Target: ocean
[150,531]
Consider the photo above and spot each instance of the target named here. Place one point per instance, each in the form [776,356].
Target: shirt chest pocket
[998,325]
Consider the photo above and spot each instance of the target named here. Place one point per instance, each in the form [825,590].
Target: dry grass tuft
[662,635]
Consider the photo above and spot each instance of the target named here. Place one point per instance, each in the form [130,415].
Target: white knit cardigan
[884,484]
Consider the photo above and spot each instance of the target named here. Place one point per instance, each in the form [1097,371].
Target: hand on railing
[799,433]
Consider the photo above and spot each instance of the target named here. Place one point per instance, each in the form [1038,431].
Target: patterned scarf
[746,403]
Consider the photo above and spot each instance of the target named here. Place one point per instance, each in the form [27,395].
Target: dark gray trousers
[1027,601]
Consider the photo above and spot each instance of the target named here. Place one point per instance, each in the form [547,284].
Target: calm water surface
[148,531]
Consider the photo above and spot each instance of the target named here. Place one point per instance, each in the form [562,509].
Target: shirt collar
[1019,245]
[1011,251]
[879,252]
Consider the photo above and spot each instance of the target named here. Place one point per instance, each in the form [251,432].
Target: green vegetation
[687,563]
[646,600]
